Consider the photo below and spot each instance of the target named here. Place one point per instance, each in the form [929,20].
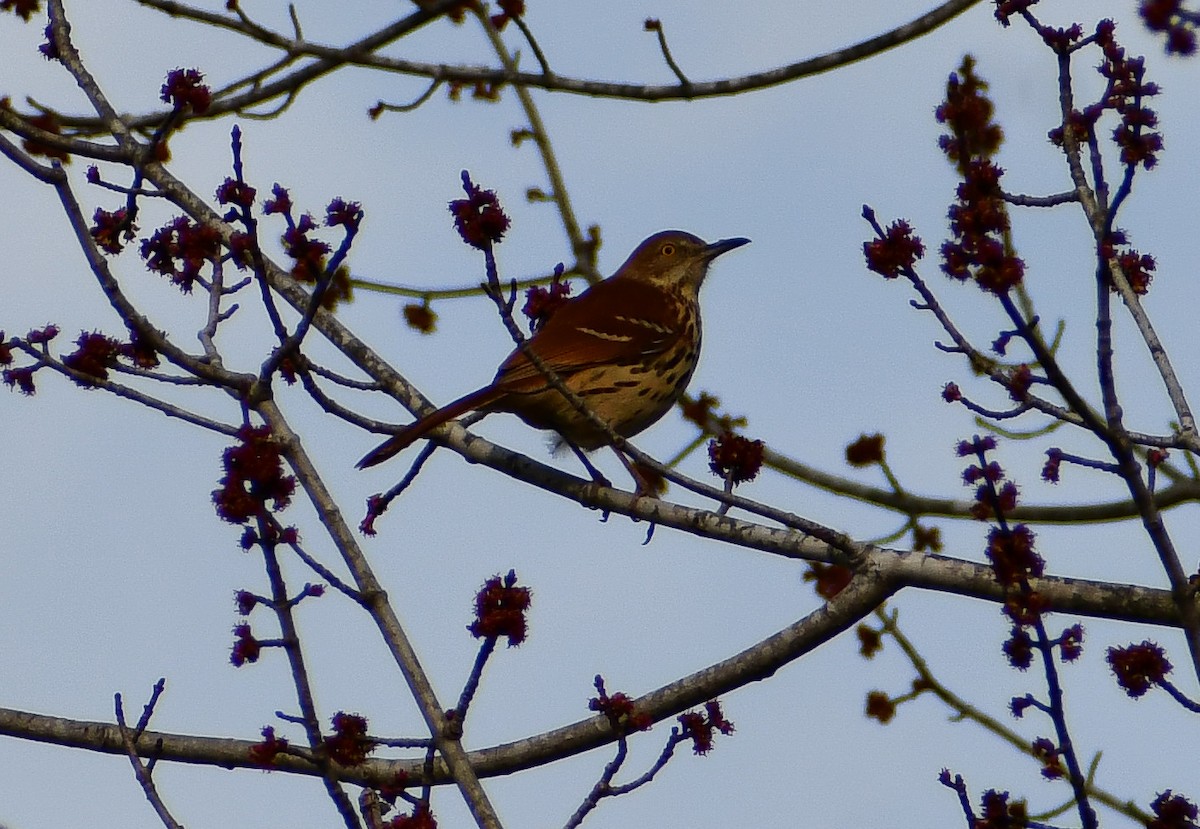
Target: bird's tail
[417,430]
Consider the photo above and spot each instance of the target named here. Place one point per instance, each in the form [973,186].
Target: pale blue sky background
[117,572]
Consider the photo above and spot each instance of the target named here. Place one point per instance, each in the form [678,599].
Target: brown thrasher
[627,346]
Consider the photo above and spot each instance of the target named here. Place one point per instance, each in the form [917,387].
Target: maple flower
[479,218]
[500,608]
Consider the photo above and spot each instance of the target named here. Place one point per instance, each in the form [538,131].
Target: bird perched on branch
[627,347]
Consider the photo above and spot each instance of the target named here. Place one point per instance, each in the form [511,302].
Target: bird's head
[674,259]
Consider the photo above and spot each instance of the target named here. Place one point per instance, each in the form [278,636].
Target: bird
[627,347]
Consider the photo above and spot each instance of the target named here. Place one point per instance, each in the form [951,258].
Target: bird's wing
[597,328]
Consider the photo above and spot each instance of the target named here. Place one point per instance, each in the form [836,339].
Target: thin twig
[375,600]
[169,409]
[538,54]
[583,249]
[382,106]
[290,639]
[602,787]
[466,290]
[486,648]
[128,739]
[657,27]
[966,711]
[363,53]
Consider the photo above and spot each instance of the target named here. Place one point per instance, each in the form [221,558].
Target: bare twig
[382,106]
[128,739]
[290,639]
[584,249]
[657,27]
[375,600]
[362,53]
[966,711]
[129,393]
[538,54]
[486,648]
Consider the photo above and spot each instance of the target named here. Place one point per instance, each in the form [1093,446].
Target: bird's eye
[668,249]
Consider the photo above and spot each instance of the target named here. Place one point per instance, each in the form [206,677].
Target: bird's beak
[715,249]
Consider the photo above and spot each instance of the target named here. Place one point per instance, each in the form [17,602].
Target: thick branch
[886,572]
